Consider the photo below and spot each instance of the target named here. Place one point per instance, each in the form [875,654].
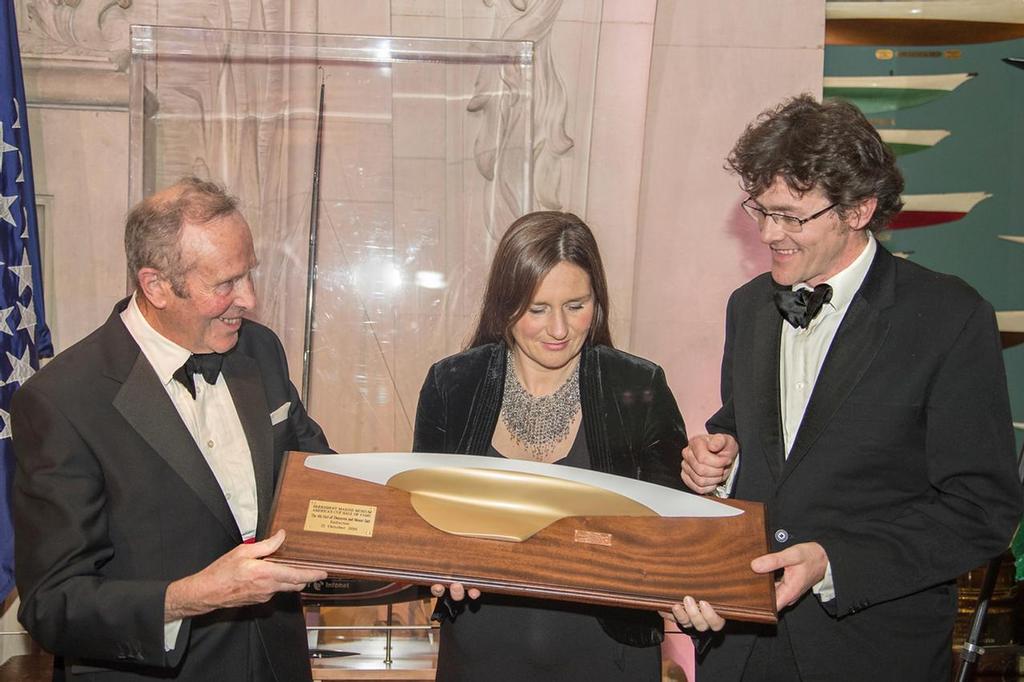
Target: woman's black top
[631,426]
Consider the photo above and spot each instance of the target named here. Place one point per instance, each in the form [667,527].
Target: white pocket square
[280,414]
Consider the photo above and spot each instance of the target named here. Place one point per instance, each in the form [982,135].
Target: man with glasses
[865,402]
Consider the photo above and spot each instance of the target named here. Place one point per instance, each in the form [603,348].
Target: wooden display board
[351,527]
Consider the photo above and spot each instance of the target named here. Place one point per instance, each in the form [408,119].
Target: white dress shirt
[803,351]
[212,420]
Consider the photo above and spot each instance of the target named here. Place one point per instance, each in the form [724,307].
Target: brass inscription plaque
[340,518]
[591,538]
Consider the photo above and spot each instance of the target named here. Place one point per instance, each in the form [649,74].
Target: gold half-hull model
[635,545]
[505,505]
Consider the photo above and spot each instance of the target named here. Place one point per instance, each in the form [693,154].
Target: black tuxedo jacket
[903,469]
[113,501]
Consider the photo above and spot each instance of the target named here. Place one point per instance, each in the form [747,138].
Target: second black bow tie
[801,306]
[207,364]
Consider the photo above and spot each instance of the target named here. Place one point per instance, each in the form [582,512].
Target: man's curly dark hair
[827,145]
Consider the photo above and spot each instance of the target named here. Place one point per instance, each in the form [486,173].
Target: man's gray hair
[152,231]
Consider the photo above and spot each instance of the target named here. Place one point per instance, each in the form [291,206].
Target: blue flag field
[24,337]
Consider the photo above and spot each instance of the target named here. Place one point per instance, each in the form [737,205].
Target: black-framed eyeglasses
[789,223]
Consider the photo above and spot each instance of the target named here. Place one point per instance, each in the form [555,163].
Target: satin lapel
[857,341]
[242,375]
[764,361]
[144,403]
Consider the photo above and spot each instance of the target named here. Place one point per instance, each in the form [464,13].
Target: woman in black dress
[541,381]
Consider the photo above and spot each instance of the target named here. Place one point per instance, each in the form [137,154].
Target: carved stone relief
[520,20]
[77,30]
[565,56]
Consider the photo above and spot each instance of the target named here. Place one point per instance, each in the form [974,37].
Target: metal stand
[971,651]
[388,660]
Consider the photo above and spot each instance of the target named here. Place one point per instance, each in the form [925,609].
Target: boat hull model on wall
[903,142]
[922,210]
[876,94]
[933,22]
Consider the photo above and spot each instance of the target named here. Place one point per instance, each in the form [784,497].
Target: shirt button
[209,443]
[227,495]
[782,536]
[800,385]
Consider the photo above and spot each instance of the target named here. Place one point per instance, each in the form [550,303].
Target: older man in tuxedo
[146,460]
[865,402]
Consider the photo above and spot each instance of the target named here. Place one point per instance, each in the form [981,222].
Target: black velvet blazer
[631,423]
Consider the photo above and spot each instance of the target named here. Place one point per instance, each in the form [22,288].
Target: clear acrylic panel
[425,160]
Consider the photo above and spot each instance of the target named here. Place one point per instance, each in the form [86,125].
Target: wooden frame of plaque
[648,562]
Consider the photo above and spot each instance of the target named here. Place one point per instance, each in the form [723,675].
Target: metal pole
[387,639]
[314,225]
[971,652]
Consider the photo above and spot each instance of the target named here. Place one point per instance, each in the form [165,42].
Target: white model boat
[873,94]
[921,210]
[923,22]
[903,141]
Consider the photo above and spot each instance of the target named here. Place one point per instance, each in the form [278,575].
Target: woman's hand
[697,615]
[456,591]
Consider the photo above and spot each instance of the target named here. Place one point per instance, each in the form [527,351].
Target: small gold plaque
[340,518]
[884,54]
[591,538]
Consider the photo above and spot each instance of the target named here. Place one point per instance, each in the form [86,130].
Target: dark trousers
[771,659]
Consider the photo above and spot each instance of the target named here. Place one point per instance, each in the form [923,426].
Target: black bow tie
[799,307]
[207,364]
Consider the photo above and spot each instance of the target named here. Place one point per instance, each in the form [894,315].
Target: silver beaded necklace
[536,423]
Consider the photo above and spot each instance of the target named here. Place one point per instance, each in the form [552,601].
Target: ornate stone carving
[497,88]
[78,30]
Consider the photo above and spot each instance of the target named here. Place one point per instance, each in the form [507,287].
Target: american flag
[24,337]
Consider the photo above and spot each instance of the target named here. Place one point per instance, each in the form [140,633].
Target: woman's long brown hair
[529,249]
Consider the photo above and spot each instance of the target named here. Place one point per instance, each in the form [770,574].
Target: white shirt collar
[163,354]
[847,281]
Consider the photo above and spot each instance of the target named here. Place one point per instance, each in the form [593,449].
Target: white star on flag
[4,147]
[28,319]
[5,209]
[6,416]
[5,327]
[23,272]
[21,368]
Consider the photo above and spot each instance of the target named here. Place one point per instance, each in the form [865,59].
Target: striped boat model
[1014,61]
[1011,327]
[1012,238]
[924,22]
[874,94]
[921,210]
[903,142]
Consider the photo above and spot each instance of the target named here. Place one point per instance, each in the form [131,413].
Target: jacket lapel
[596,419]
[856,343]
[243,378]
[145,405]
[764,360]
[485,406]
